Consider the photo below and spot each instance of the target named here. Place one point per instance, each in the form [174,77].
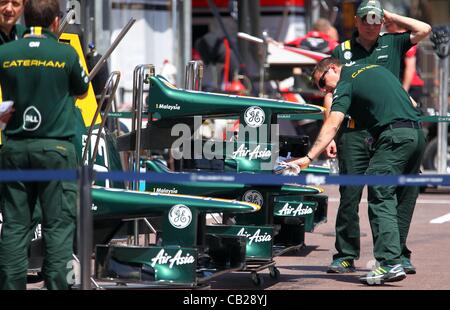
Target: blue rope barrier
[37,175]
[269,179]
[246,178]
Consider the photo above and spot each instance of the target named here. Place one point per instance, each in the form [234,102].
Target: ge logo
[254,117]
[180,216]
[253,197]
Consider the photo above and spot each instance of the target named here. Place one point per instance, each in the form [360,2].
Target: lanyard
[35,32]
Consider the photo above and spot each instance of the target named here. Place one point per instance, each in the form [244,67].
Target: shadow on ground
[304,251]
[243,281]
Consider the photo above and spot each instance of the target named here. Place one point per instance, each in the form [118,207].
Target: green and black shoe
[341,265]
[408,266]
[382,274]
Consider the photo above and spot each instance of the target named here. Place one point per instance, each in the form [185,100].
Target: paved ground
[430,243]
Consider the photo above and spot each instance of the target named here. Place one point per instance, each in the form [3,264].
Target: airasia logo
[163,258]
[295,211]
[256,237]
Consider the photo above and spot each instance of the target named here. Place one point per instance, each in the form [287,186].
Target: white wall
[149,41]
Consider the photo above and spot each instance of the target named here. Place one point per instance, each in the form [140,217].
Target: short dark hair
[324,64]
[40,13]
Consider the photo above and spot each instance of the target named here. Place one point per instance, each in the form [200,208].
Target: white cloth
[286,168]
[5,108]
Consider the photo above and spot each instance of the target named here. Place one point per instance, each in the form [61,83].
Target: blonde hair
[322,25]
[324,64]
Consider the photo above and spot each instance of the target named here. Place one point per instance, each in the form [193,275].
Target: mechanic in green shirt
[42,77]
[368,46]
[376,100]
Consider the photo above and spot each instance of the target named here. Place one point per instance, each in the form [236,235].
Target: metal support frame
[265,53]
[440,37]
[149,225]
[68,19]
[93,282]
[140,77]
[136,226]
[111,85]
[443,110]
[85,226]
[194,75]
[85,172]
[193,81]
[136,231]
[184,36]
[264,64]
[87,21]
[85,219]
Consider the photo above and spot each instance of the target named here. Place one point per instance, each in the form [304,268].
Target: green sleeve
[79,80]
[335,53]
[342,97]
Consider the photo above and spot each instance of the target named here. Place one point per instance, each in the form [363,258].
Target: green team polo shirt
[41,76]
[388,51]
[373,96]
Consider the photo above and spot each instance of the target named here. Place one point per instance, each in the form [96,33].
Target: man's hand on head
[388,17]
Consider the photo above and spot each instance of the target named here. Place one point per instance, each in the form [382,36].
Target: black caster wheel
[274,272]
[257,279]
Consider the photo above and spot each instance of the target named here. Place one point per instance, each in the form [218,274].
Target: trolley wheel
[274,272]
[257,279]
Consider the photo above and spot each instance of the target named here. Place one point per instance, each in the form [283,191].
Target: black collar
[355,35]
[4,38]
